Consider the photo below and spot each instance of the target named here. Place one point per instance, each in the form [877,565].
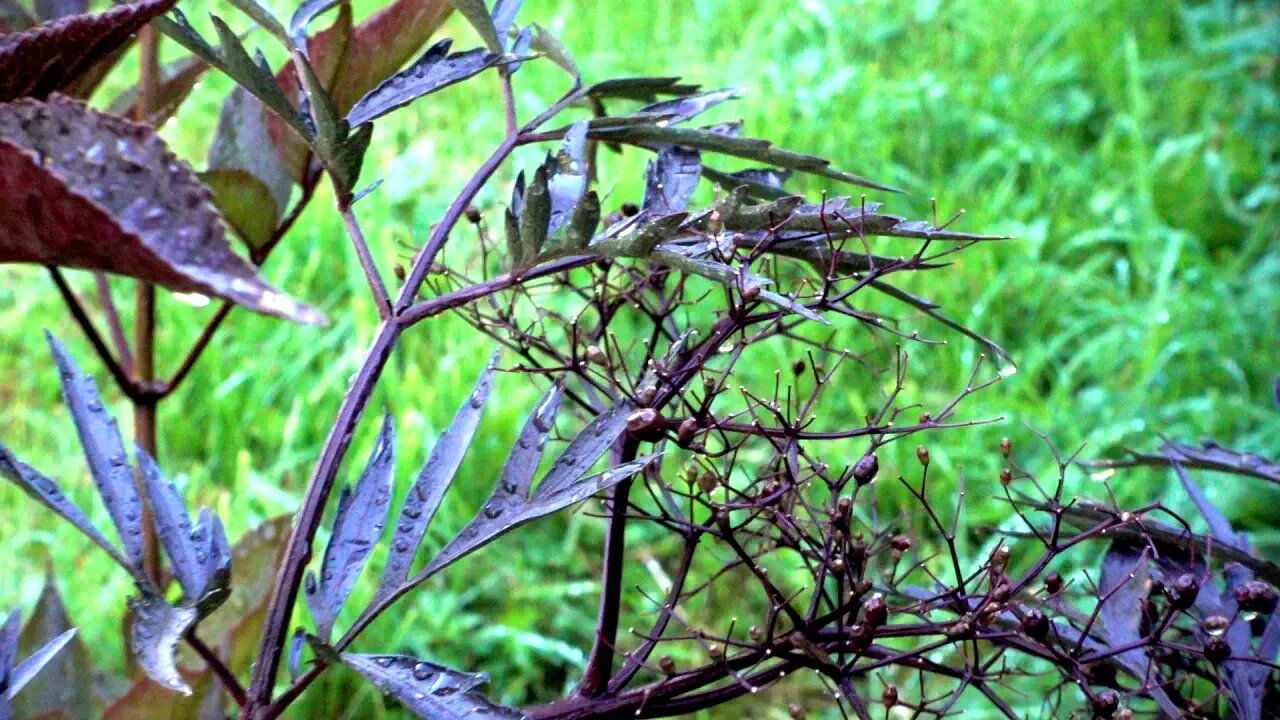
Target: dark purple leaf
[1247,680]
[1219,527]
[504,16]
[358,524]
[567,177]
[644,89]
[154,633]
[429,690]
[478,15]
[535,216]
[564,484]
[717,141]
[200,555]
[83,189]
[680,109]
[309,10]
[433,481]
[296,644]
[46,58]
[1210,456]
[26,671]
[523,460]
[8,654]
[53,9]
[672,178]
[761,183]
[104,452]
[47,493]
[433,71]
[1123,588]
[65,689]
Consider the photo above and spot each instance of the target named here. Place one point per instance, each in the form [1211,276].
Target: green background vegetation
[1133,149]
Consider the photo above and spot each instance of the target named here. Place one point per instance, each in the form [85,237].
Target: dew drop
[422,671]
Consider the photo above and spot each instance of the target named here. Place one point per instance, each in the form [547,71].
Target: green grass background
[1133,150]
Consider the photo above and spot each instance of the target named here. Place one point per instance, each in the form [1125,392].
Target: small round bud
[875,611]
[1035,625]
[716,653]
[687,430]
[837,565]
[473,215]
[630,209]
[1053,583]
[1184,591]
[708,481]
[901,543]
[796,712]
[866,469]
[1006,477]
[797,367]
[750,292]
[1005,446]
[922,454]
[999,558]
[668,664]
[646,394]
[399,272]
[1256,596]
[890,696]
[756,634]
[1216,650]
[596,355]
[1105,703]
[645,424]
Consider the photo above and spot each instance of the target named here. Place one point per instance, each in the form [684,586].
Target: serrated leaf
[672,177]
[434,71]
[478,15]
[716,140]
[563,485]
[426,689]
[177,79]
[644,89]
[358,524]
[104,453]
[106,194]
[154,633]
[47,493]
[36,62]
[685,108]
[433,481]
[582,226]
[65,688]
[349,158]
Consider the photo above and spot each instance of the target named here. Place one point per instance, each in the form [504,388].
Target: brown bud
[1035,625]
[875,611]
[1053,583]
[863,587]
[630,209]
[1001,591]
[1184,591]
[837,565]
[890,696]
[473,215]
[668,664]
[646,394]
[797,367]
[645,424]
[796,712]
[922,454]
[1005,446]
[1216,650]
[1256,596]
[399,271]
[750,292]
[756,634]
[901,543]
[708,481]
[597,356]
[716,653]
[999,558]
[866,468]
[1105,704]
[685,433]
[1006,477]
[844,506]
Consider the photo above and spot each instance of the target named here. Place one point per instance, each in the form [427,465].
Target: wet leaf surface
[428,690]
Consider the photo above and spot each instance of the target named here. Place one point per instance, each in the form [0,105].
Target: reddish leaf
[176,81]
[83,189]
[44,59]
[148,700]
[65,688]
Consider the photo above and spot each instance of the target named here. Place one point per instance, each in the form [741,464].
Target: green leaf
[547,44]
